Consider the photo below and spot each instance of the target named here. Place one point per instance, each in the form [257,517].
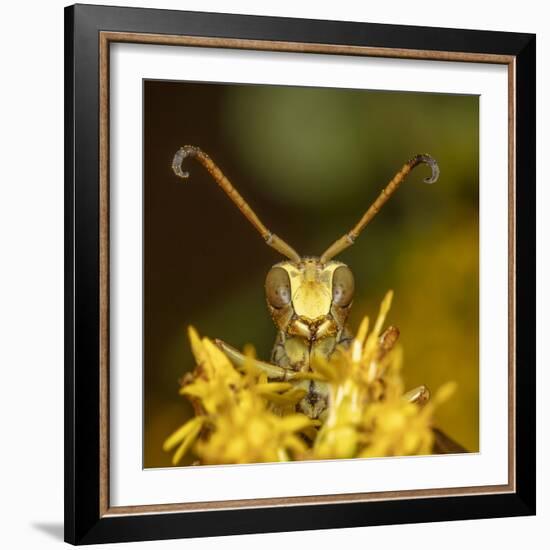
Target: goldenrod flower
[235,413]
[242,417]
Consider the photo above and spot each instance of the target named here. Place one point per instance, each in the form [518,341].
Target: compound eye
[343,286]
[277,287]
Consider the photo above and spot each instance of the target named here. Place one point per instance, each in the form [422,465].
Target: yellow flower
[236,423]
[368,412]
[242,417]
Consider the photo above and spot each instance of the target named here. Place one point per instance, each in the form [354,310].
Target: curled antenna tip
[179,157]
[432,163]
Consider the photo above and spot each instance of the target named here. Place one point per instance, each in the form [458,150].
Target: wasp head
[309,299]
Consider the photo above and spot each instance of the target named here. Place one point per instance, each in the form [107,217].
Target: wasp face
[308,298]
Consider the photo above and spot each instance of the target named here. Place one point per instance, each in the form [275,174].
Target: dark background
[309,161]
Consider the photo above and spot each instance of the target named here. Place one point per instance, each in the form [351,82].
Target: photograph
[267,336]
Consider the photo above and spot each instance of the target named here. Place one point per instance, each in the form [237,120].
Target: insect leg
[387,341]
[419,395]
[273,372]
[445,445]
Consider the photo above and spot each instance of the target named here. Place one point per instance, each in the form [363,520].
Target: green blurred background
[309,161]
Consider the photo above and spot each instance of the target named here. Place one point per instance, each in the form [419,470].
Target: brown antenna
[270,238]
[348,239]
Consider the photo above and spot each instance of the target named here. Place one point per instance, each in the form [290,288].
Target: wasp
[309,297]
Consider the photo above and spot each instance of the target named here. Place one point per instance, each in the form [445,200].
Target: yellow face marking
[311,287]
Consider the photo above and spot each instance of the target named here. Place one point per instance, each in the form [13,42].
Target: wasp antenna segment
[431,162]
[194,152]
[179,157]
[348,239]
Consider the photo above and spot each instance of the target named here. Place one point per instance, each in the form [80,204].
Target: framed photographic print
[299,274]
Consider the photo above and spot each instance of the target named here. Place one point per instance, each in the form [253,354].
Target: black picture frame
[84,522]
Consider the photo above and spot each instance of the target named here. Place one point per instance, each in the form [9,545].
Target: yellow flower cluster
[234,418]
[242,417]
[369,414]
